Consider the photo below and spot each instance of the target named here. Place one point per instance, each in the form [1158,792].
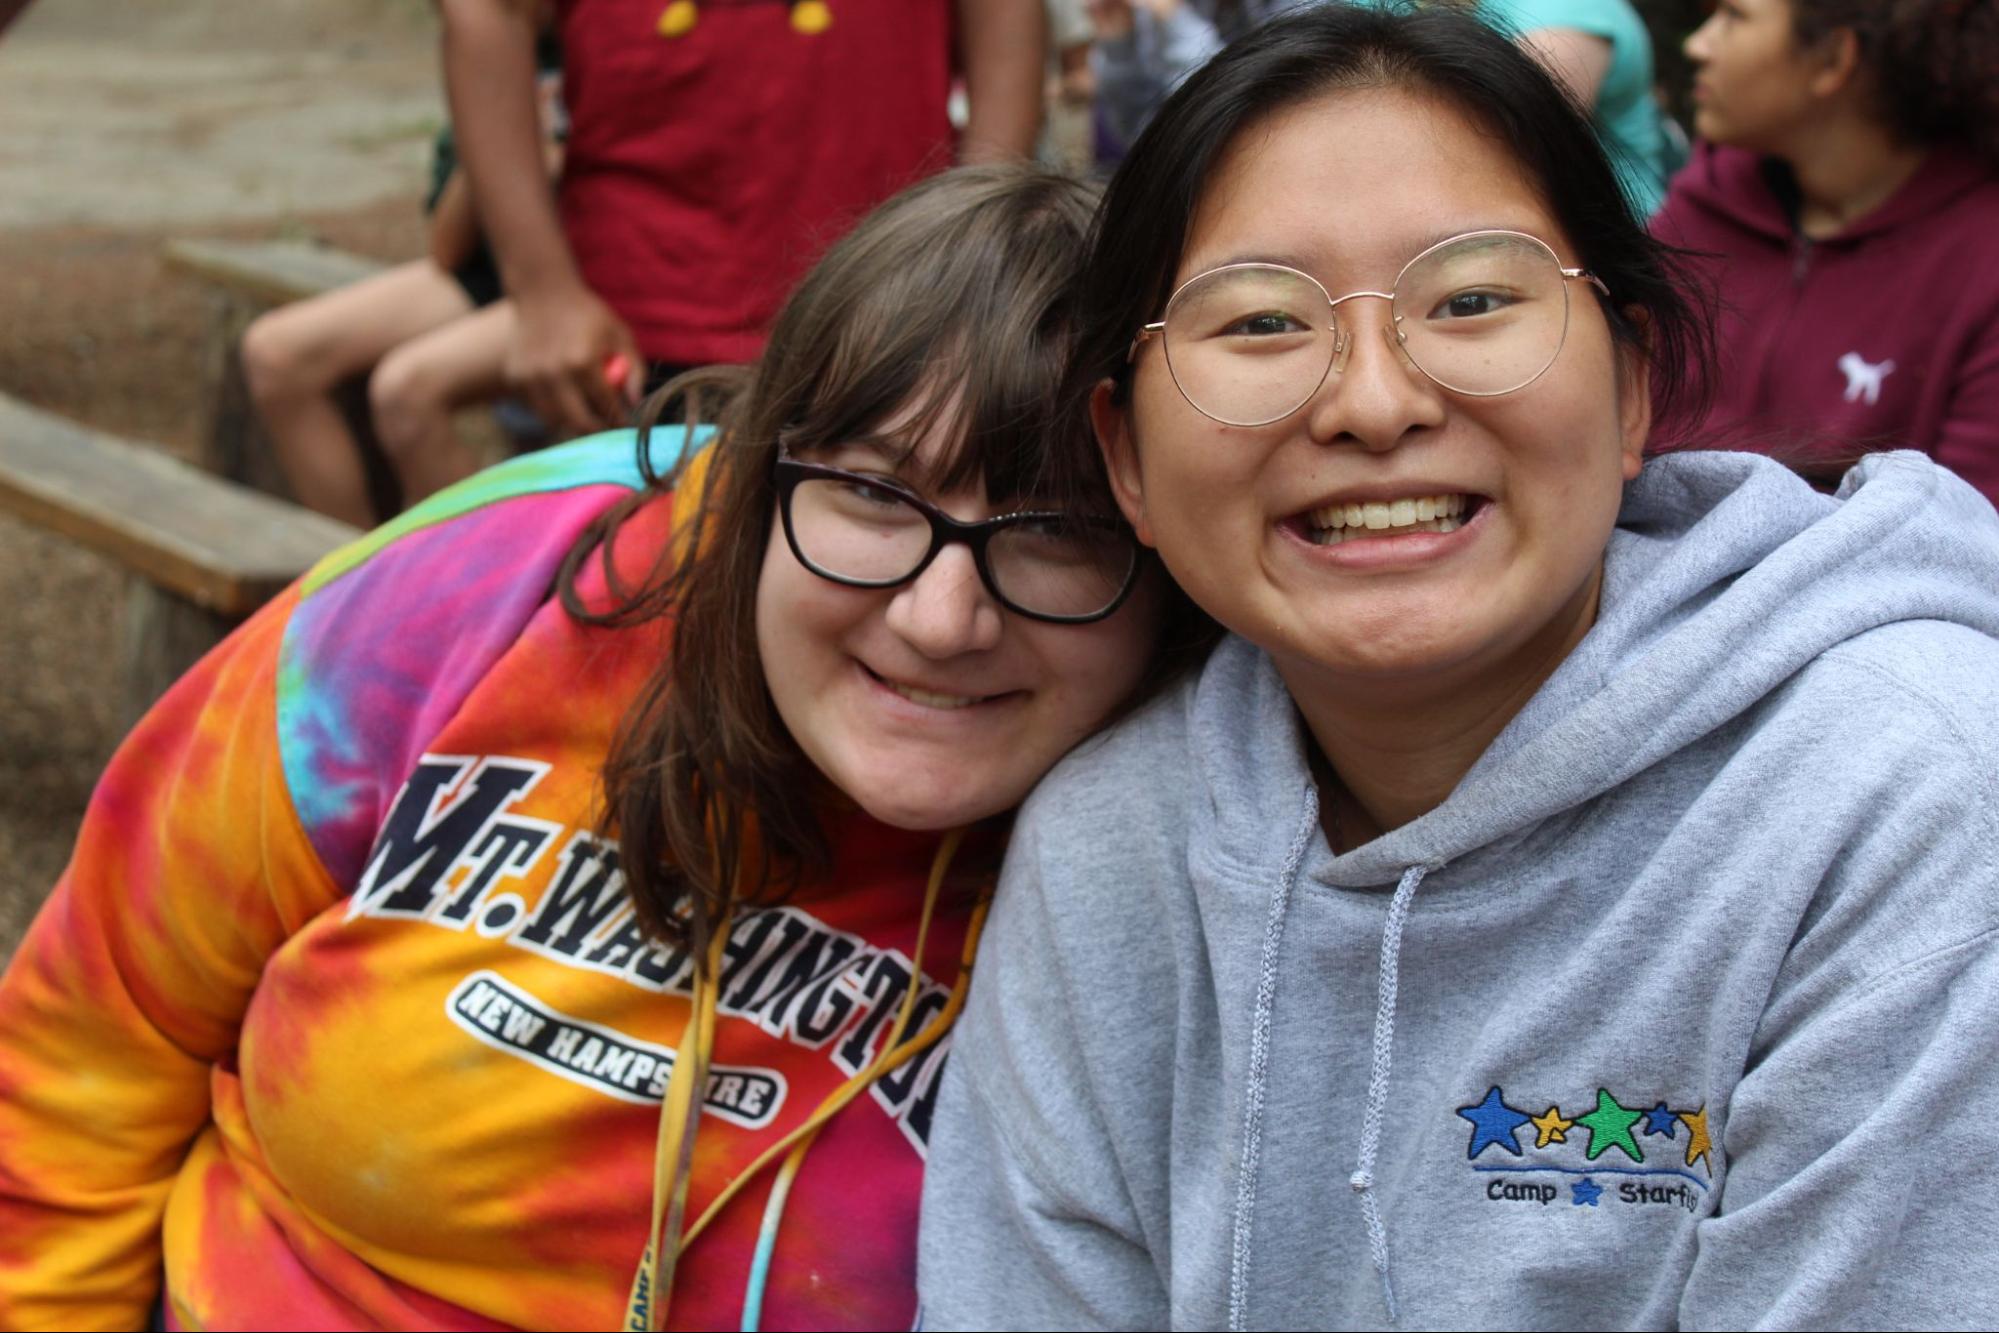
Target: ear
[1113,427]
[1634,393]
[1838,59]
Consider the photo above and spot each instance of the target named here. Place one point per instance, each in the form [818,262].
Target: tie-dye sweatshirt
[339,1017]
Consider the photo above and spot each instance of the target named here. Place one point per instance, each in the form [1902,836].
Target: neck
[1396,748]
[1847,168]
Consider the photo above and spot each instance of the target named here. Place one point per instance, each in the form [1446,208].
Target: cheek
[1095,668]
[1198,477]
[800,620]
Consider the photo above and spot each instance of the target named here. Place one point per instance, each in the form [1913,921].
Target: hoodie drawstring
[1362,1179]
[1259,1061]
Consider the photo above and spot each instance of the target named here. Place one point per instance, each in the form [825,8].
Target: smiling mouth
[927,698]
[1332,524]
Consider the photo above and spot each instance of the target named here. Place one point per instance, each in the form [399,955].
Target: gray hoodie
[1681,1010]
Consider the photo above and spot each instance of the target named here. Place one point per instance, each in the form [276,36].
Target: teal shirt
[1626,115]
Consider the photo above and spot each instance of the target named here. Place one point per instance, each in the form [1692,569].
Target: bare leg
[415,389]
[294,356]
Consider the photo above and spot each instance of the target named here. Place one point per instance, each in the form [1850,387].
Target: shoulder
[586,475]
[1879,765]
[1119,795]
[482,553]
[391,634]
[1894,736]
[1720,199]
[1931,684]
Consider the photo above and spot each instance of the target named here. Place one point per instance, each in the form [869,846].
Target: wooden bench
[205,551]
[244,279]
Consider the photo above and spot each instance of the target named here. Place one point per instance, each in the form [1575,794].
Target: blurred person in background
[1846,197]
[431,336]
[1072,88]
[1599,50]
[714,150]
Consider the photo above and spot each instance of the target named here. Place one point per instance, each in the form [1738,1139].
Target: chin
[931,807]
[924,817]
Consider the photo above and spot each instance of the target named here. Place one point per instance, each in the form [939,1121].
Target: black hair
[1142,226]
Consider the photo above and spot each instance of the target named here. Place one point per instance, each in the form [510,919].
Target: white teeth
[1334,536]
[929,700]
[1417,514]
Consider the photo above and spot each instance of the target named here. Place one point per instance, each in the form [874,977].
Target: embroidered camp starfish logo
[1569,1156]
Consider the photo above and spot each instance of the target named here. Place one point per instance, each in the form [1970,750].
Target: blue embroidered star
[1493,1121]
[1586,1191]
[1659,1120]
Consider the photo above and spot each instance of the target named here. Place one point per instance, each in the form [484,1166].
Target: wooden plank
[270,272]
[219,545]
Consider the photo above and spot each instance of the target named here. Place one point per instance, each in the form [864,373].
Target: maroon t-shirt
[709,165]
[1885,336]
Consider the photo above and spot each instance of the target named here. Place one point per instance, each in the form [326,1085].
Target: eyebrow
[1303,265]
[890,449]
[894,452]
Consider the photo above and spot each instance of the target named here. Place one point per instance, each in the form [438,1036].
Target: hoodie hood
[1735,184]
[1725,575]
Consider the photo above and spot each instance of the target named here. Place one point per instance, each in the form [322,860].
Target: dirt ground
[121,127]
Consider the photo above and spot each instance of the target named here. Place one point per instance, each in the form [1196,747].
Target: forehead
[1351,185]
[1757,10]
[923,440]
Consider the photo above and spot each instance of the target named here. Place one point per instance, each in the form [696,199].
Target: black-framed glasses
[1481,314]
[868,531]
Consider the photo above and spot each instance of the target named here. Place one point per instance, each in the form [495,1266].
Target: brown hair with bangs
[950,302]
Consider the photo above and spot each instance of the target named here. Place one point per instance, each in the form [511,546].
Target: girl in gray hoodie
[1568,898]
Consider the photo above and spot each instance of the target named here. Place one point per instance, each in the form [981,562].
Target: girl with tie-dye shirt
[573,844]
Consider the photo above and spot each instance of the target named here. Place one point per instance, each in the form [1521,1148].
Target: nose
[946,610]
[1696,45]
[1375,395]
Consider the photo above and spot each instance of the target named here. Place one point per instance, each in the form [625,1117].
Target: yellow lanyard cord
[679,1118]
[892,1059]
[680,1114]
[891,1056]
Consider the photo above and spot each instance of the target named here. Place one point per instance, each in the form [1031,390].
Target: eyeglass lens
[1251,343]
[1049,565]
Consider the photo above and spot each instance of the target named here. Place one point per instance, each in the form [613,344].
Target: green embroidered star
[1610,1125]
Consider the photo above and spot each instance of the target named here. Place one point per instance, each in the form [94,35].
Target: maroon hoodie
[1885,336]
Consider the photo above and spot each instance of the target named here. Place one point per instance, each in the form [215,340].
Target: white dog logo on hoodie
[1863,379]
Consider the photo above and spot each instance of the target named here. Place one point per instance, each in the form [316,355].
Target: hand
[1077,87]
[1159,9]
[562,342]
[1112,19]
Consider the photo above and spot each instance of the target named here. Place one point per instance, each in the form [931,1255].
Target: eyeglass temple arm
[1131,352]
[1589,277]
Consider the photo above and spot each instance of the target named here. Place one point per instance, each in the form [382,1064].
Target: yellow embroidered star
[1698,1142]
[1550,1128]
